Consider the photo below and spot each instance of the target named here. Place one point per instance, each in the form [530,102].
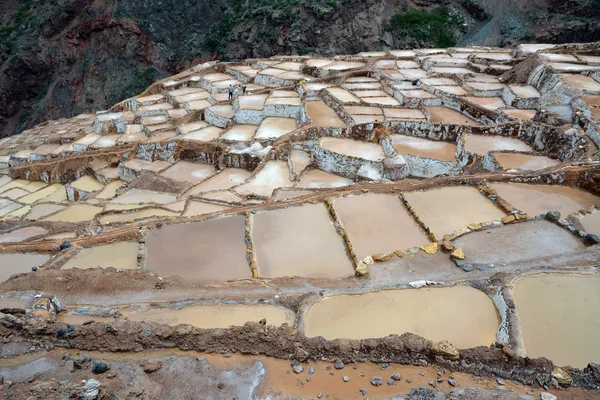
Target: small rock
[390,382]
[91,389]
[385,366]
[399,253]
[467,267]
[430,248]
[474,227]
[592,239]
[361,269]
[65,245]
[346,379]
[311,371]
[514,212]
[553,216]
[397,377]
[152,366]
[34,269]
[99,367]
[298,368]
[363,391]
[338,364]
[362,374]
[440,380]
[508,219]
[369,260]
[547,396]
[446,350]
[377,381]
[221,386]
[451,382]
[308,379]
[320,395]
[382,257]
[458,254]
[500,381]
[411,251]
[409,381]
[422,373]
[432,383]
[563,378]
[330,372]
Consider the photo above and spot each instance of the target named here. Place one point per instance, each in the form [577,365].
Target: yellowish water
[539,199]
[378,223]
[299,241]
[419,147]
[132,216]
[559,317]
[462,315]
[75,213]
[448,209]
[215,316]
[121,255]
[203,252]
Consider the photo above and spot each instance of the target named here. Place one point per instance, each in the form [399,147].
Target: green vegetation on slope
[434,27]
[273,15]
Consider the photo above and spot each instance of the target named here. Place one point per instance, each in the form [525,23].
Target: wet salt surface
[559,317]
[378,223]
[200,252]
[121,255]
[448,209]
[299,241]
[353,148]
[539,199]
[22,234]
[462,315]
[524,162]
[215,316]
[414,146]
[484,144]
[11,264]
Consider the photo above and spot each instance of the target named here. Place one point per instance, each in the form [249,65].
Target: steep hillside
[59,58]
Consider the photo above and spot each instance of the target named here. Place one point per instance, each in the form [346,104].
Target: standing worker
[230,89]
[244,89]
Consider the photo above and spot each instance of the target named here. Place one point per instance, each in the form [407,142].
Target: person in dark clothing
[243,89]
[230,89]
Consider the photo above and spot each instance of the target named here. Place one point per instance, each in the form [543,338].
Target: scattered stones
[563,378]
[339,364]
[446,350]
[591,239]
[298,368]
[397,377]
[377,381]
[430,248]
[458,254]
[363,391]
[385,366]
[311,371]
[382,257]
[308,379]
[474,227]
[409,381]
[422,373]
[390,382]
[65,245]
[553,216]
[369,260]
[451,382]
[346,379]
[412,251]
[500,381]
[99,367]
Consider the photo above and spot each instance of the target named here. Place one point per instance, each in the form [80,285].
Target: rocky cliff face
[59,58]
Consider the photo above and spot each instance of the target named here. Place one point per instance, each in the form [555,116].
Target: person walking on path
[243,89]
[230,89]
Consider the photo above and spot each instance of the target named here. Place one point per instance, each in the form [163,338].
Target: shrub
[434,26]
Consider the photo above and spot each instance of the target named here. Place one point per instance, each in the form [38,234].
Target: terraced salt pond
[462,315]
[11,264]
[121,255]
[215,316]
[539,199]
[559,317]
[378,223]
[480,144]
[299,241]
[448,209]
[419,147]
[203,252]
[524,162]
